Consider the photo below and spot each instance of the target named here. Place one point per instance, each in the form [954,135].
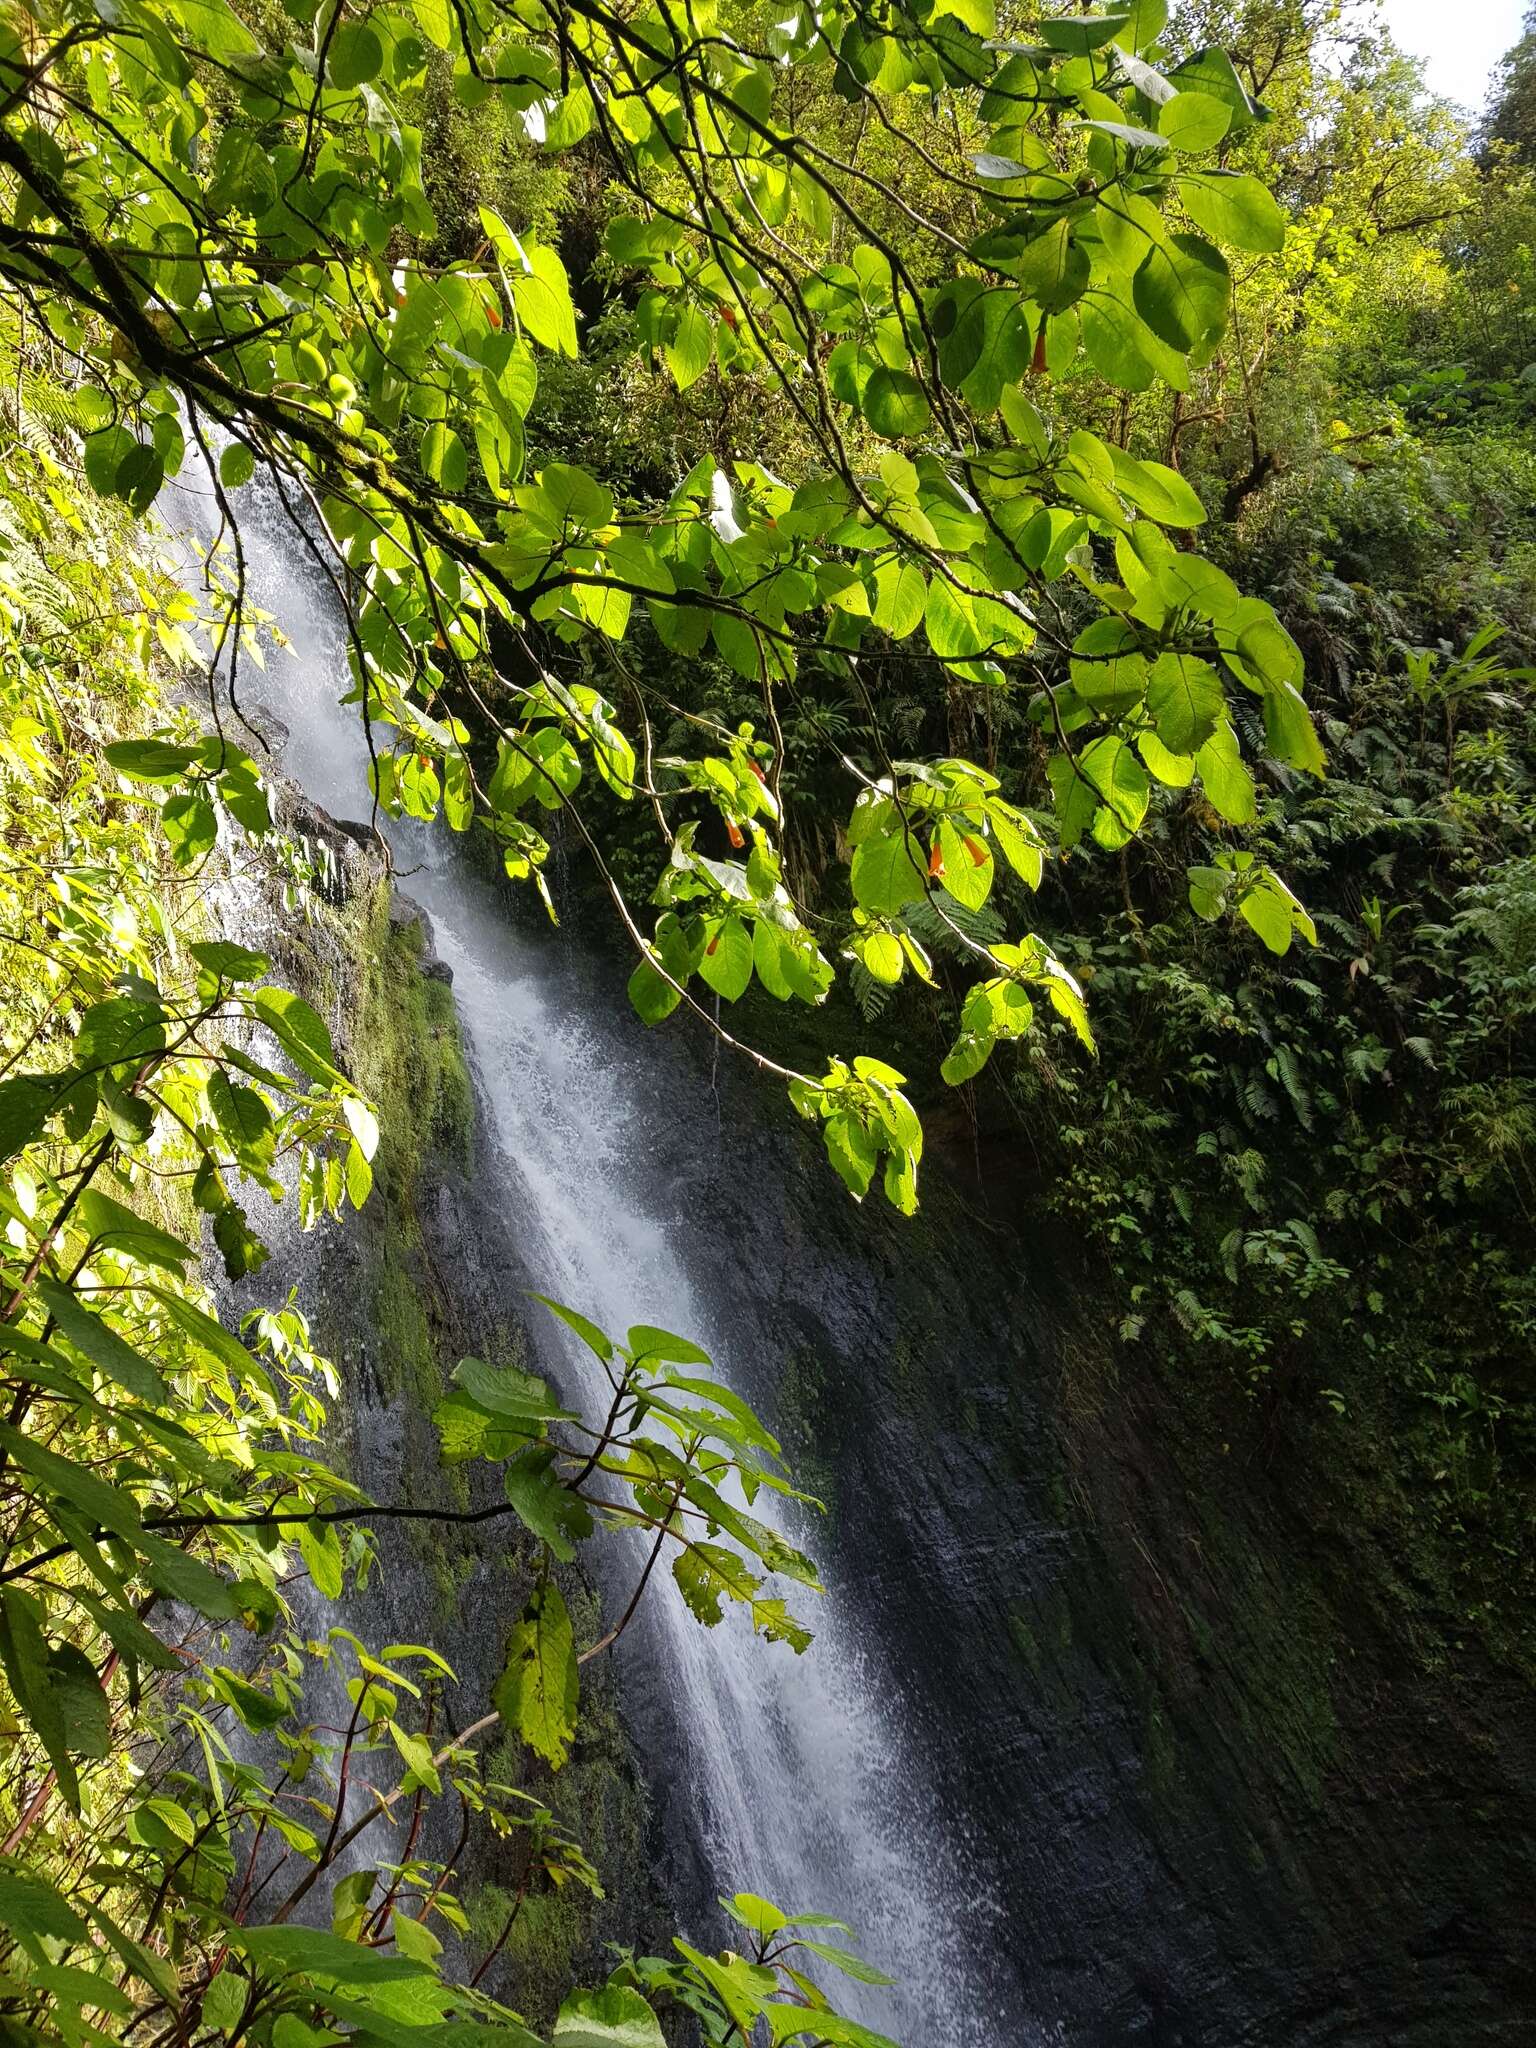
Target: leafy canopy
[222,217]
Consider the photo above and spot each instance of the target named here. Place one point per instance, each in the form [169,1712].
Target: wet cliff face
[1217,1763]
[1230,1765]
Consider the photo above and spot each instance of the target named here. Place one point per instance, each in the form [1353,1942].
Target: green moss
[407,1052]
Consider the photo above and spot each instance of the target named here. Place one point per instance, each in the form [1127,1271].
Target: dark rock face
[1236,1777]
[1228,1773]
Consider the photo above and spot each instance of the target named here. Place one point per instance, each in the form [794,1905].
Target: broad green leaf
[968,867]
[1290,732]
[355,56]
[541,292]
[1182,292]
[852,1151]
[1158,490]
[1113,770]
[298,1030]
[595,1339]
[1225,780]
[615,2017]
[654,998]
[1109,670]
[507,1391]
[324,1958]
[1234,207]
[1185,698]
[554,1514]
[647,1342]
[1269,915]
[887,874]
[894,405]
[443,458]
[727,961]
[691,346]
[536,1693]
[32,1910]
[237,465]
[1194,121]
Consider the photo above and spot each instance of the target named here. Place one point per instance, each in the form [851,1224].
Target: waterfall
[793,1777]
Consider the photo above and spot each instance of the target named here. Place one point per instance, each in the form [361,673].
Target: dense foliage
[766,452]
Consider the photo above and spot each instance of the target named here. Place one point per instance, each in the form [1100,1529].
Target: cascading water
[791,1777]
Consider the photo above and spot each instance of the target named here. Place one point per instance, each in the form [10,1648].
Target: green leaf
[321,1551]
[1269,915]
[894,405]
[191,825]
[758,1916]
[646,1342]
[881,955]
[536,1694]
[231,962]
[240,1112]
[26,1102]
[852,1151]
[257,1709]
[654,998]
[509,1392]
[1121,782]
[1081,33]
[1182,292]
[595,1339]
[727,960]
[844,1960]
[356,55]
[150,760]
[541,293]
[1118,344]
[237,465]
[299,1031]
[102,1345]
[105,452]
[615,2017]
[1174,771]
[325,1958]
[1224,778]
[968,865]
[543,1504]
[1194,121]
[108,1222]
[967,1057]
[901,595]
[25,1658]
[443,458]
[1158,491]
[1290,732]
[1234,208]
[887,875]
[1212,71]
[691,346]
[1108,668]
[33,1911]
[1054,268]
[1185,698]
